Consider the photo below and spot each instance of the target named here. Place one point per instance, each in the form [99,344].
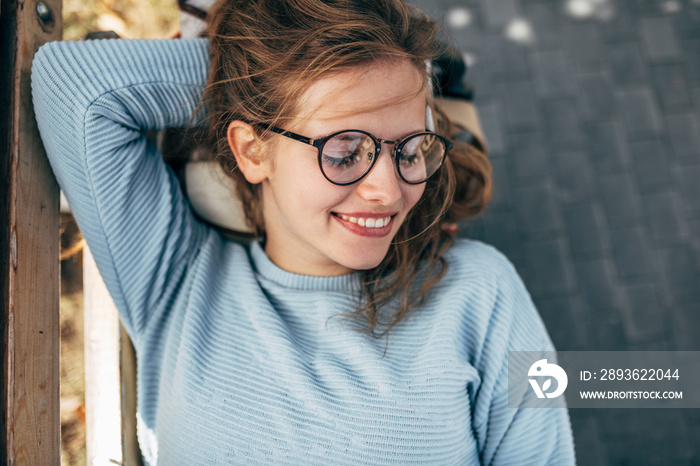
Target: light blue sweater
[238,361]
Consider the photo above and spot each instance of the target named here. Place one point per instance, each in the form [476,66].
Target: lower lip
[364,231]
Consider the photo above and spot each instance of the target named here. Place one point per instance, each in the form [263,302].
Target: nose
[382,184]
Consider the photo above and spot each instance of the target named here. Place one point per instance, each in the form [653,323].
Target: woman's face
[315,227]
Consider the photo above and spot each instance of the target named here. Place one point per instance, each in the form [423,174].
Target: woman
[273,353]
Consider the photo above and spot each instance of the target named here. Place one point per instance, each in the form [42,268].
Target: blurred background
[592,112]
[128,18]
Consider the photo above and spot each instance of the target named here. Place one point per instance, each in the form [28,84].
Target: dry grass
[129,19]
[72,354]
[72,379]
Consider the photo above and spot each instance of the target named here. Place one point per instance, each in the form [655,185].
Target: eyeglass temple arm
[448,144]
[192,10]
[289,134]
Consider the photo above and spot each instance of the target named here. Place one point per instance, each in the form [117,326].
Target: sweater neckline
[267,270]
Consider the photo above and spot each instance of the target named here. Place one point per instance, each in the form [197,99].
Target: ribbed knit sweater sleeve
[94,100]
[510,435]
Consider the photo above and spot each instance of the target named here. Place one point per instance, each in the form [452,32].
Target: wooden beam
[130,445]
[29,247]
[102,378]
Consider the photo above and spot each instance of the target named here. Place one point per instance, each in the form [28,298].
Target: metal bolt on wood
[44,12]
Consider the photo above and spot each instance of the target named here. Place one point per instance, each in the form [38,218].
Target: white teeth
[368,222]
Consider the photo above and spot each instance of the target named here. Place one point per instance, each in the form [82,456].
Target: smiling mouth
[367,222]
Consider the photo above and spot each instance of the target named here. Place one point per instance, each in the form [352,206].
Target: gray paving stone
[659,39]
[685,320]
[641,113]
[650,160]
[561,320]
[532,156]
[523,267]
[694,226]
[589,449]
[435,10]
[630,251]
[651,448]
[546,22]
[575,178]
[479,78]
[646,8]
[607,146]
[670,85]
[551,273]
[537,211]
[510,60]
[550,70]
[606,334]
[522,112]
[595,95]
[647,74]
[584,44]
[515,62]
[580,414]
[622,200]
[664,215]
[499,12]
[501,231]
[622,424]
[596,283]
[654,236]
[493,122]
[622,27]
[660,343]
[692,416]
[587,232]
[466,39]
[689,180]
[625,61]
[643,319]
[676,440]
[695,458]
[627,424]
[680,273]
[473,229]
[684,133]
[563,125]
[686,24]
[502,191]
[692,57]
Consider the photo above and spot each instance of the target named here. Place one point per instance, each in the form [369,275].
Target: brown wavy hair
[266,53]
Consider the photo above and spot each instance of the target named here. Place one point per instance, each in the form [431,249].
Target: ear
[246,147]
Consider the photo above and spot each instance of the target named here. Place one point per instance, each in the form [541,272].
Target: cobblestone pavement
[592,112]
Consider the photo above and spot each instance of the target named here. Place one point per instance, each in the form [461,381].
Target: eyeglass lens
[348,156]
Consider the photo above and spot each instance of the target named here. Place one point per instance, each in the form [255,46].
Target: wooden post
[29,247]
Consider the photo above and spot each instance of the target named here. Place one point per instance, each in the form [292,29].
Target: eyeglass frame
[319,143]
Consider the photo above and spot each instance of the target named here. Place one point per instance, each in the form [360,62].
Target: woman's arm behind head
[94,101]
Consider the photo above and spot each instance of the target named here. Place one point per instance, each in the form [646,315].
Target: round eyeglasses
[347,156]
